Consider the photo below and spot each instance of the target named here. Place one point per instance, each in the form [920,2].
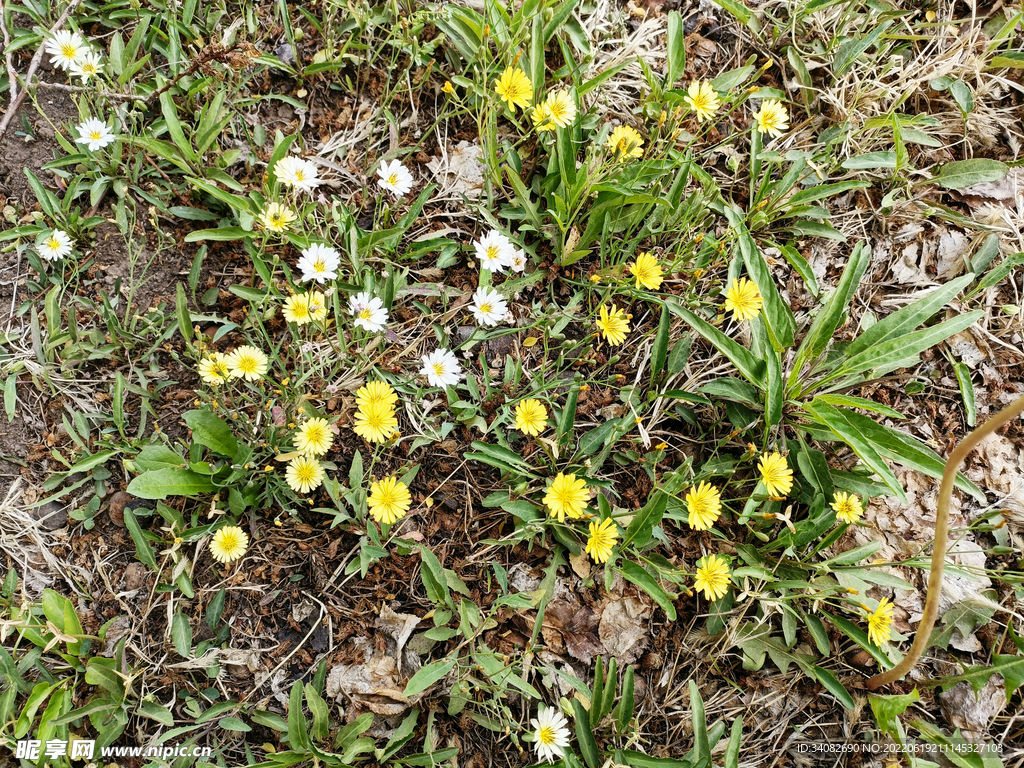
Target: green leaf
[1010,667]
[698,717]
[963,377]
[212,431]
[777,315]
[626,702]
[860,637]
[233,724]
[824,191]
[298,733]
[850,50]
[181,309]
[10,395]
[169,481]
[961,174]
[142,547]
[585,735]
[637,575]
[156,711]
[642,525]
[427,675]
[833,686]
[181,634]
[659,352]
[749,367]
[217,234]
[870,161]
[157,457]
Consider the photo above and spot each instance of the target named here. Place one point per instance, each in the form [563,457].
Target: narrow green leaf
[961,174]
[181,634]
[427,675]
[637,575]
[585,735]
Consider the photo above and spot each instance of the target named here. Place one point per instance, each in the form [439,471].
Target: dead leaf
[623,629]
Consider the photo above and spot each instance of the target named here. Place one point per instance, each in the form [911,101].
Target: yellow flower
[375,392]
[847,506]
[376,422]
[214,369]
[702,99]
[531,417]
[566,496]
[743,299]
[613,325]
[772,118]
[625,142]
[539,115]
[514,87]
[448,88]
[557,111]
[646,270]
[776,474]
[389,500]
[879,622]
[277,217]
[602,539]
[704,504]
[314,438]
[304,473]
[317,304]
[712,577]
[296,309]
[247,362]
[229,543]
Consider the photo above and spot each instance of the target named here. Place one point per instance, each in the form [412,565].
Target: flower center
[546,735]
[300,176]
[319,266]
[366,314]
[305,472]
[68,51]
[95,135]
[486,308]
[247,364]
[53,243]
[492,252]
[393,179]
[439,369]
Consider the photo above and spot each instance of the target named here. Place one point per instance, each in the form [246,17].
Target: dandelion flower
[67,47]
[304,474]
[518,261]
[613,325]
[772,118]
[847,506]
[395,178]
[489,306]
[369,312]
[441,367]
[743,299]
[296,309]
[646,270]
[540,115]
[55,245]
[214,369]
[229,543]
[494,250]
[88,66]
[776,474]
[531,417]
[248,363]
[712,577]
[514,87]
[625,143]
[389,500]
[550,734]
[566,495]
[704,505]
[376,392]
[702,99]
[375,421]
[319,262]
[561,109]
[314,438]
[276,217]
[602,539]
[296,172]
[879,622]
[95,134]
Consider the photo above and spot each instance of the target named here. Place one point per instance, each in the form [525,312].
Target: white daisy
[395,178]
[369,311]
[441,367]
[95,134]
[550,734]
[54,246]
[89,65]
[518,261]
[489,306]
[319,262]
[67,47]
[296,172]
[494,251]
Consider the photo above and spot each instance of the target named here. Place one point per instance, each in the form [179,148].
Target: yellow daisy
[566,495]
[712,577]
[539,115]
[743,299]
[625,143]
[514,87]
[214,369]
[247,362]
[702,99]
[776,474]
[314,438]
[376,392]
[304,474]
[228,544]
[848,507]
[704,505]
[646,270]
[602,539]
[531,417]
[772,118]
[317,305]
[389,500]
[296,309]
[277,217]
[879,622]
[613,325]
[376,422]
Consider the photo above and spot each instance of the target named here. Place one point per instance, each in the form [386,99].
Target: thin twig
[12,109]
[82,89]
[931,603]
[12,76]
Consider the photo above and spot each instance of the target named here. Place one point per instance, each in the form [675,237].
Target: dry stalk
[931,604]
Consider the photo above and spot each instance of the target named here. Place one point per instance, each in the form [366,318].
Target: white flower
[395,178]
[296,172]
[489,306]
[55,245]
[87,66]
[441,367]
[319,262]
[550,734]
[494,251]
[518,261]
[67,47]
[369,311]
[95,134]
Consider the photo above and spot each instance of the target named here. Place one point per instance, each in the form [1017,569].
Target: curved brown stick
[931,604]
